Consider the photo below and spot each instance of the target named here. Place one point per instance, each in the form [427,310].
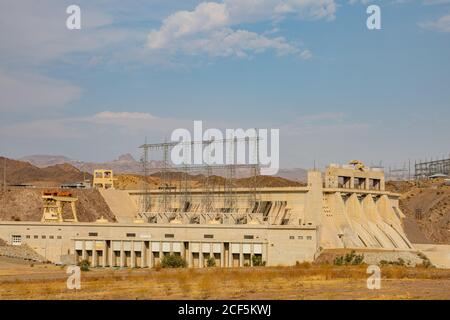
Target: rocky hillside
[427,210]
[22,252]
[20,172]
[25,204]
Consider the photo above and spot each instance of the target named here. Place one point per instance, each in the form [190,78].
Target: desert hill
[123,164]
[25,204]
[127,164]
[427,209]
[42,161]
[20,172]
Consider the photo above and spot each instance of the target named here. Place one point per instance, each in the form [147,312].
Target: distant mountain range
[126,164]
[295,174]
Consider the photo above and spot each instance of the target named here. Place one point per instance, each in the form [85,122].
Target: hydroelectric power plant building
[348,207]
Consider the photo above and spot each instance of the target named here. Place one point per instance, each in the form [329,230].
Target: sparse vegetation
[211,262]
[307,280]
[173,261]
[349,259]
[257,261]
[425,261]
[84,265]
[398,262]
[303,265]
[421,255]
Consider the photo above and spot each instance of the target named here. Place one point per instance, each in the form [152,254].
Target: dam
[347,206]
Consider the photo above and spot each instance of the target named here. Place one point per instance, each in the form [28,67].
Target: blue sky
[312,69]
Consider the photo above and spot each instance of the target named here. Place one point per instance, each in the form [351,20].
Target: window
[43,237]
[59,237]
[169,235]
[360,183]
[208,236]
[28,237]
[16,240]
[291,237]
[308,238]
[36,237]
[344,182]
[300,237]
[375,184]
[131,235]
[248,237]
[51,237]
[93,234]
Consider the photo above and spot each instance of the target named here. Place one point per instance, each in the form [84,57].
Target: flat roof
[157,225]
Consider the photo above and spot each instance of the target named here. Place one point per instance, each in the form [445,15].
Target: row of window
[171,235]
[300,237]
[43,237]
[167,247]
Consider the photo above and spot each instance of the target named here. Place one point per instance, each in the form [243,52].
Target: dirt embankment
[427,209]
[22,252]
[175,179]
[25,204]
[430,208]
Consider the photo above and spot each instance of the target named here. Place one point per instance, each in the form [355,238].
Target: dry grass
[304,281]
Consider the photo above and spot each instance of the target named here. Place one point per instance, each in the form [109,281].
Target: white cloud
[32,91]
[206,16]
[442,24]
[226,42]
[134,123]
[114,116]
[124,119]
[208,28]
